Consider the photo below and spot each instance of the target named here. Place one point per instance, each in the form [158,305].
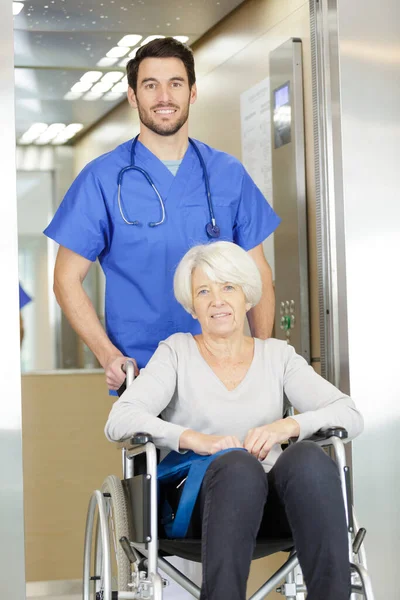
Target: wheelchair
[123,552]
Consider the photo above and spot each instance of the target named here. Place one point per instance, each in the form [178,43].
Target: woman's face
[220,307]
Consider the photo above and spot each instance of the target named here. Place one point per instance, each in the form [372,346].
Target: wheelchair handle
[129,370]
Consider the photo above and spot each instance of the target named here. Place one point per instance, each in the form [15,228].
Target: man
[140,221]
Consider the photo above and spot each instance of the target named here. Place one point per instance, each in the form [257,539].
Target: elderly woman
[223,389]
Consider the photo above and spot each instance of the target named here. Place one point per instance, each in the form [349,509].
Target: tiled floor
[70,590]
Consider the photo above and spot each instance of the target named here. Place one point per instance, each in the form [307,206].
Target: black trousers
[300,497]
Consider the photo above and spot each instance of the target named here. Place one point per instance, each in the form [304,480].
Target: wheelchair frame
[144,557]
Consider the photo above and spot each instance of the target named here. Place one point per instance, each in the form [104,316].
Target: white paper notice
[255,121]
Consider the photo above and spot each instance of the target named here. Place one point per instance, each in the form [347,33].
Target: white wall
[369,45]
[12,576]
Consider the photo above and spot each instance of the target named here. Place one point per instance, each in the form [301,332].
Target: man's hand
[115,376]
[205,444]
[260,440]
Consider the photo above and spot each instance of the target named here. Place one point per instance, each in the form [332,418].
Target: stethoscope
[212,228]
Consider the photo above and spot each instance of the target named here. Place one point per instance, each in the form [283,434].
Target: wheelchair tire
[118,526]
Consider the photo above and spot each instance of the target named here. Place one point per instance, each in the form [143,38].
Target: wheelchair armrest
[139,438]
[339,432]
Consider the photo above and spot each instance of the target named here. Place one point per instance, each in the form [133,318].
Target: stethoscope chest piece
[213,231]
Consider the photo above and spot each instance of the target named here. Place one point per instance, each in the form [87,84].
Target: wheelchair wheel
[118,526]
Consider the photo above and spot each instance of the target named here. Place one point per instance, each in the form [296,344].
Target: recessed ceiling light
[150,38]
[113,76]
[130,40]
[72,129]
[33,132]
[112,96]
[101,87]
[117,52]
[54,129]
[51,132]
[89,97]
[106,62]
[81,86]
[37,128]
[91,76]
[17,7]
[72,96]
[181,38]
[120,88]
[67,133]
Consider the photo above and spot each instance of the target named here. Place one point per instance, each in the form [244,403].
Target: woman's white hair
[223,262]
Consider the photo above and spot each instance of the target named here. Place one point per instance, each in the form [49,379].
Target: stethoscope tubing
[214,228]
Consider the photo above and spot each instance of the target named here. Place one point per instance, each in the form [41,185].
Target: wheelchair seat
[190,549]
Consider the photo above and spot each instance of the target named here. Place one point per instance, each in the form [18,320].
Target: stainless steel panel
[12,575]
[289,192]
[360,46]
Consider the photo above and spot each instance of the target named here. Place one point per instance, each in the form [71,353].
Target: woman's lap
[303,465]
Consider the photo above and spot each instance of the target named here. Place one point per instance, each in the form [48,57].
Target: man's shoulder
[211,154]
[114,159]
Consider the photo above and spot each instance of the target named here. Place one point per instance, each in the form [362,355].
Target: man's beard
[162,129]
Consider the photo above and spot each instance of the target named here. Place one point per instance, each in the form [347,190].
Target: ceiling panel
[122,15]
[57,41]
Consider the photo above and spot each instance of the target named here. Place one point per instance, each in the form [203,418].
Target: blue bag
[174,467]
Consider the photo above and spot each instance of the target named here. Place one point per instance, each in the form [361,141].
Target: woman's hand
[205,444]
[260,440]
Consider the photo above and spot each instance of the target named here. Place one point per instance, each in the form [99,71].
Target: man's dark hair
[161,48]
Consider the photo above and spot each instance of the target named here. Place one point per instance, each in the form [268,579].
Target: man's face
[162,96]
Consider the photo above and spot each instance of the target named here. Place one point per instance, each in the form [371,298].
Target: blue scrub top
[139,261]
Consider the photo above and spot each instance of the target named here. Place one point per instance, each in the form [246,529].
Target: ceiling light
[81,86]
[117,52]
[72,96]
[106,62]
[181,38]
[113,76]
[112,96]
[120,88]
[37,128]
[32,133]
[17,7]
[91,97]
[27,138]
[133,53]
[101,87]
[124,62]
[91,76]
[150,38]
[130,40]
[72,129]
[51,132]
[67,133]
[54,129]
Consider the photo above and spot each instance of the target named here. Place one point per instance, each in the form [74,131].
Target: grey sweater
[179,385]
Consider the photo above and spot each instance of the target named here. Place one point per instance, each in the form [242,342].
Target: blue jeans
[300,497]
